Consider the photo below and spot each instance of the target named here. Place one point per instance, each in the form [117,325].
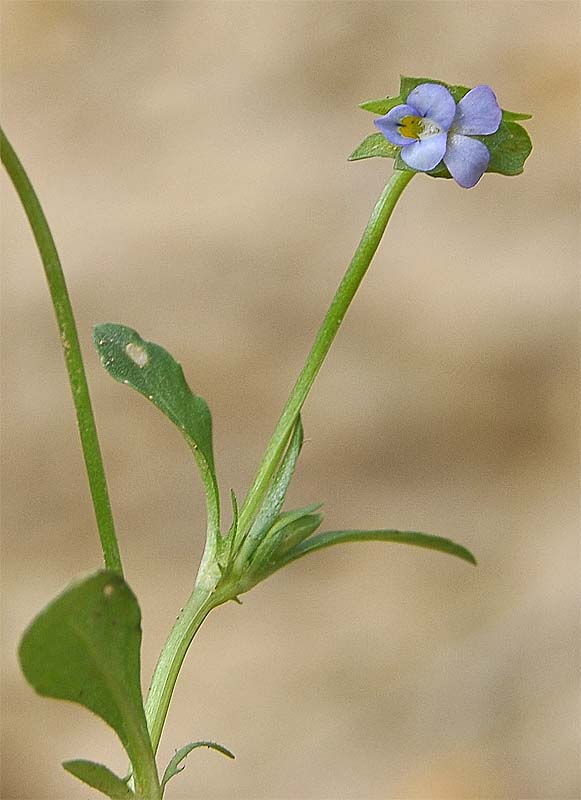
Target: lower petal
[390,123]
[466,159]
[425,154]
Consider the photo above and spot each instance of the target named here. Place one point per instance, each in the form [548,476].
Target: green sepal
[373,146]
[514,116]
[85,647]
[278,533]
[275,495]
[174,768]
[509,147]
[226,544]
[297,531]
[322,540]
[99,777]
[287,531]
[154,373]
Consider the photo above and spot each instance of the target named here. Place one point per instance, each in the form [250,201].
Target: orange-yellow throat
[418,127]
[411,127]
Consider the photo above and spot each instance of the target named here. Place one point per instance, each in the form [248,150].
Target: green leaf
[99,777]
[330,538]
[154,373]
[274,498]
[375,145]
[509,147]
[85,647]
[174,768]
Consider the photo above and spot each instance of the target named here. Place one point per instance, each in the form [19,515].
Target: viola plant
[85,645]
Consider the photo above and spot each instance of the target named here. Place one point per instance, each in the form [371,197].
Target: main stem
[201,602]
[72,353]
[327,332]
[204,597]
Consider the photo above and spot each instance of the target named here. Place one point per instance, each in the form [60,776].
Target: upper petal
[478,112]
[466,159]
[425,154]
[389,124]
[434,101]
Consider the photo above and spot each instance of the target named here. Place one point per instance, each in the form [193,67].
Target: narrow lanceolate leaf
[274,498]
[85,647]
[154,373]
[174,767]
[99,777]
[330,538]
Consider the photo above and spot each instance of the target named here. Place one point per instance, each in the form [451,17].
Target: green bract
[509,147]
[175,765]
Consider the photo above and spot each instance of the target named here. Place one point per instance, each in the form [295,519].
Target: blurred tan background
[191,160]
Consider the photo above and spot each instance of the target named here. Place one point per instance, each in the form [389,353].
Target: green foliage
[99,777]
[322,540]
[514,116]
[509,147]
[373,146]
[276,494]
[296,528]
[295,525]
[85,647]
[174,768]
[154,373]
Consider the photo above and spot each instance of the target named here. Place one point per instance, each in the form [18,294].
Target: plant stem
[201,602]
[205,597]
[327,332]
[72,353]
[145,779]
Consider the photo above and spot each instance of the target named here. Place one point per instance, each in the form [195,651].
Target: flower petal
[466,159]
[433,101]
[425,154]
[389,124]
[478,113]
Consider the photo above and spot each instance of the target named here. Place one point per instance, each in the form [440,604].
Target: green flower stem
[204,597]
[72,353]
[202,600]
[327,332]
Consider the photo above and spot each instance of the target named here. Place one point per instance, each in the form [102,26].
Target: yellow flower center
[410,127]
[418,127]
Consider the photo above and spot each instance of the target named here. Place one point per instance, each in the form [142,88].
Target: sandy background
[191,160]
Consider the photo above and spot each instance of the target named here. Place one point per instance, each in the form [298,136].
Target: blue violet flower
[430,127]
